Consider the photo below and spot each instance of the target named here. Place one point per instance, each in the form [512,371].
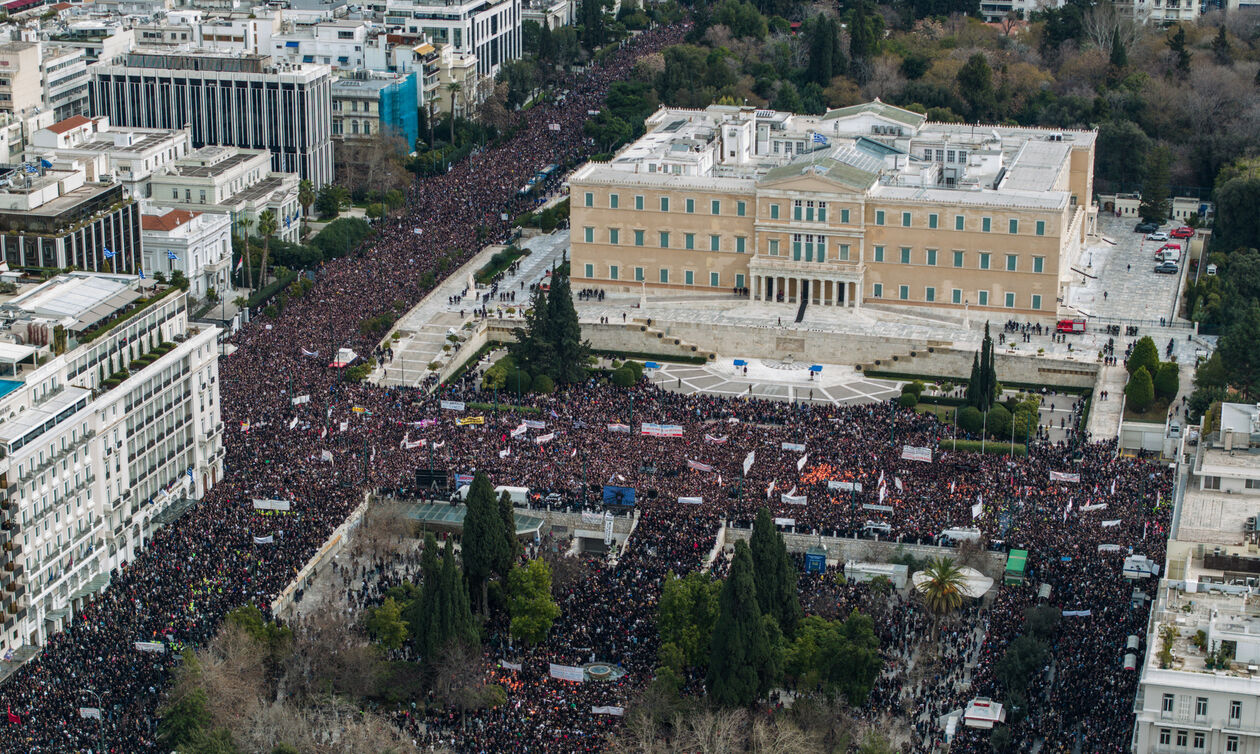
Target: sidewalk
[1104,415]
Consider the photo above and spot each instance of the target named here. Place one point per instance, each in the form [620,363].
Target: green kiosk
[1016,562]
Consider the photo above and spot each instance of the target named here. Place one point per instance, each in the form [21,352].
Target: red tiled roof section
[72,122]
[170,221]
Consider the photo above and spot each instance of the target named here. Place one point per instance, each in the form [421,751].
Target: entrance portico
[821,284]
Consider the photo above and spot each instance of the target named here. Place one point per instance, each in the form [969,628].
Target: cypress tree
[462,627]
[511,545]
[773,576]
[973,384]
[566,334]
[1119,56]
[743,665]
[420,613]
[533,351]
[990,372]
[483,541]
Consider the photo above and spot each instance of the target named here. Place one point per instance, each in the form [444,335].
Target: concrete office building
[238,100]
[20,80]
[56,218]
[91,465]
[1205,695]
[65,80]
[864,205]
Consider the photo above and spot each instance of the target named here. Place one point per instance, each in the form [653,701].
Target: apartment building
[365,103]
[234,100]
[107,422]
[1161,12]
[52,216]
[235,182]
[20,81]
[488,29]
[112,153]
[1199,689]
[63,71]
[866,205]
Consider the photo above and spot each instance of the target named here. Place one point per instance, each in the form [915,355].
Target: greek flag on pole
[108,254]
[190,474]
[172,255]
[819,139]
[141,274]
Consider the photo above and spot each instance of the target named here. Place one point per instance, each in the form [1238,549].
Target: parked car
[1169,268]
[1157,236]
[1184,231]
[1145,227]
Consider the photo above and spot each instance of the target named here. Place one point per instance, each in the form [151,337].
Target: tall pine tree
[484,546]
[570,351]
[511,545]
[532,350]
[743,664]
[773,575]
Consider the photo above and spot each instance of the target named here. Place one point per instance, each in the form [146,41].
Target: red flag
[12,717]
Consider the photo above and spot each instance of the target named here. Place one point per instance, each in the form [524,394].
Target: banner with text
[915,453]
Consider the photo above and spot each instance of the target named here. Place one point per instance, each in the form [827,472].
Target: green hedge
[265,293]
[505,407]
[1084,421]
[888,375]
[990,448]
[942,400]
[642,356]
[471,360]
[498,263]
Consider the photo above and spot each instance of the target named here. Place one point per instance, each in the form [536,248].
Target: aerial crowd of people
[321,455]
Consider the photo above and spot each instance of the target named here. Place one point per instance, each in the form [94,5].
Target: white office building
[490,30]
[108,425]
[112,153]
[1199,688]
[197,244]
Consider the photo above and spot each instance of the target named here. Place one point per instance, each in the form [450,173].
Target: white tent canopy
[975,584]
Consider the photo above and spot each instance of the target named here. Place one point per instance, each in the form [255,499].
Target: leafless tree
[331,654]
[385,531]
[233,676]
[1104,23]
[884,79]
[709,731]
[778,735]
[459,680]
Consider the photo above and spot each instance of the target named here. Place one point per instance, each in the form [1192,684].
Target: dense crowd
[321,455]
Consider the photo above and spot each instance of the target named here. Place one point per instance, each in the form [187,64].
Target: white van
[1169,255]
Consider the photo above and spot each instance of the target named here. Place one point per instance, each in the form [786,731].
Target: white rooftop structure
[75,295]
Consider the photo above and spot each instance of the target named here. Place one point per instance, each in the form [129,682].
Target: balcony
[767,265]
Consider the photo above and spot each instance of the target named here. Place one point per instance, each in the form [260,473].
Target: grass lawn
[1156,413]
[944,413]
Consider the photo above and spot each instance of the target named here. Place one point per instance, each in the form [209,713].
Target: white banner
[264,540]
[717,440]
[1109,548]
[845,486]
[151,646]
[608,527]
[976,510]
[1088,508]
[452,405]
[88,713]
[568,672]
[520,430]
[505,453]
[534,424]
[545,438]
[794,499]
[915,453]
[697,466]
[874,507]
[276,505]
[293,423]
[1059,476]
[785,522]
[608,711]
[797,446]
[1116,522]
[591,517]
[298,401]
[513,666]
[748,461]
[691,500]
[800,464]
[326,456]
[619,428]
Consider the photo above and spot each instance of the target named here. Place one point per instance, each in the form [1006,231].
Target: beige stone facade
[712,201]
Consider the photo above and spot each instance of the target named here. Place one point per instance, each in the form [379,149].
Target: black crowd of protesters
[207,563]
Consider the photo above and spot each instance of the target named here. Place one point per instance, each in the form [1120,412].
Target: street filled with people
[821,467]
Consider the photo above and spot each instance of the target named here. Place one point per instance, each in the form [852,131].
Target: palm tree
[453,89]
[943,588]
[267,226]
[245,223]
[306,196]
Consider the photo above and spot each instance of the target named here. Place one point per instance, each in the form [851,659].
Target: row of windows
[663,276]
[689,205]
[984,259]
[663,239]
[811,248]
[811,211]
[1200,740]
[955,296]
